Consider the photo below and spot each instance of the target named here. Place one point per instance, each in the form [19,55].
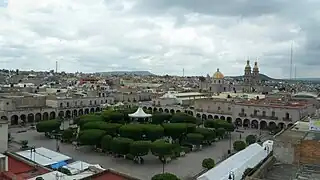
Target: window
[255,112]
[61,105]
[219,108]
[229,108]
[273,114]
[106,101]
[99,94]
[90,102]
[81,103]
[68,104]
[263,113]
[95,102]
[101,101]
[242,110]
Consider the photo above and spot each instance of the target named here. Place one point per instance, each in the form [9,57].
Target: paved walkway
[182,167]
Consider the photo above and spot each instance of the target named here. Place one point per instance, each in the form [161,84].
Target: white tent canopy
[238,163]
[139,114]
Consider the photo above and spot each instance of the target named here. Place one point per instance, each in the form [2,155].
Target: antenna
[56,66]
[295,72]
[291,53]
[183,72]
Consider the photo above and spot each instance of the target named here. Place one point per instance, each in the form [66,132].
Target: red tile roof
[109,176]
[112,175]
[24,170]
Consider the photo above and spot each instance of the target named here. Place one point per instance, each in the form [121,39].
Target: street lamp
[231,175]
[230,143]
[57,137]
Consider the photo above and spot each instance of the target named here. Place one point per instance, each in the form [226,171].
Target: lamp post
[231,175]
[230,143]
[57,137]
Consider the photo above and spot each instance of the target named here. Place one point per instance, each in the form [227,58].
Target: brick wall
[308,152]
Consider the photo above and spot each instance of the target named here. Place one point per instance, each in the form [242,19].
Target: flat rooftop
[224,95]
[300,130]
[274,103]
[44,156]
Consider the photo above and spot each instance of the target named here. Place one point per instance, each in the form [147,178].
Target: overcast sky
[162,36]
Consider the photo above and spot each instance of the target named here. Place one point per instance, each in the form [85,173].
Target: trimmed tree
[209,135]
[208,163]
[176,130]
[165,176]
[239,145]
[67,134]
[194,138]
[89,118]
[132,131]
[159,118]
[121,145]
[153,132]
[106,142]
[91,137]
[250,139]
[140,148]
[48,126]
[162,149]
[221,132]
[110,128]
[183,118]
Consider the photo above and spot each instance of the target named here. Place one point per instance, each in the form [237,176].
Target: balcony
[263,117]
[242,114]
[287,119]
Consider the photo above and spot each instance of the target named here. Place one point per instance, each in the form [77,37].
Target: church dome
[218,75]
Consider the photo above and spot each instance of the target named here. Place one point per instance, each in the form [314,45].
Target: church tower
[255,74]
[247,77]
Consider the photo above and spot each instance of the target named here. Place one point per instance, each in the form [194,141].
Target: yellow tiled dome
[218,75]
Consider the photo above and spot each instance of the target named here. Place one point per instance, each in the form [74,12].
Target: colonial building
[27,107]
[247,111]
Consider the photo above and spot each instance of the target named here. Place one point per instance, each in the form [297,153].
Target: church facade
[217,83]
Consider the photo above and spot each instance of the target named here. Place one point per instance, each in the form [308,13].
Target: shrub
[208,163]
[165,176]
[250,139]
[239,145]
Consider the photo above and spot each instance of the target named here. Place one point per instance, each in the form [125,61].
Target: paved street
[183,167]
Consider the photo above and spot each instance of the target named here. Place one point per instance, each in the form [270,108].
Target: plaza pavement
[183,167]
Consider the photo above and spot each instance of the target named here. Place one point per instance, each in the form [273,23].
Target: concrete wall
[284,151]
[3,137]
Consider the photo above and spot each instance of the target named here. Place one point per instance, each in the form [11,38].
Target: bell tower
[247,78]
[255,73]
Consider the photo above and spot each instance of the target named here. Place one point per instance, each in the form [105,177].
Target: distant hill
[261,77]
[121,73]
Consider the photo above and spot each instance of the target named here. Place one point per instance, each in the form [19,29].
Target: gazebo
[140,114]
